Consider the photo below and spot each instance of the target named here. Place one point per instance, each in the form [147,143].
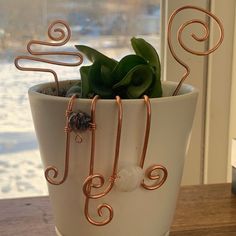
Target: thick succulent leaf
[86,86]
[93,55]
[156,87]
[96,81]
[106,75]
[142,78]
[147,51]
[134,75]
[125,65]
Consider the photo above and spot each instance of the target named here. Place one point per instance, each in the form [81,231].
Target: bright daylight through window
[105,25]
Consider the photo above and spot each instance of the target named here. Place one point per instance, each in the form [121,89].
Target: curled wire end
[54,175]
[100,211]
[157,173]
[89,183]
[78,138]
[56,33]
[194,36]
[97,181]
[53,169]
[59,36]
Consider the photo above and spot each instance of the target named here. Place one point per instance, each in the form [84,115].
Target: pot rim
[191,91]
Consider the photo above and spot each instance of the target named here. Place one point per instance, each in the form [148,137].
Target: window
[106,25]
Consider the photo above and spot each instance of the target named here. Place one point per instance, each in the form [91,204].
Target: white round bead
[129,178]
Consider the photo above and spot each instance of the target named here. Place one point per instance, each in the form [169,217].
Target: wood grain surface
[26,217]
[207,210]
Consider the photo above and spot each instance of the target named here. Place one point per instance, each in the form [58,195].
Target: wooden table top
[207,210]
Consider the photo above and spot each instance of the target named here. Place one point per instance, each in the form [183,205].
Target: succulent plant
[131,77]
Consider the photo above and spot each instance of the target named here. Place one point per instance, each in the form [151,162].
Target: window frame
[208,160]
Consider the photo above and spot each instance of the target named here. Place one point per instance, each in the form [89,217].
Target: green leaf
[125,65]
[132,77]
[106,75]
[137,81]
[93,55]
[96,81]
[86,86]
[147,51]
[156,87]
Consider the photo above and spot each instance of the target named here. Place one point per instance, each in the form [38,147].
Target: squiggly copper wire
[100,209]
[158,173]
[60,40]
[53,169]
[194,36]
[151,172]
[88,183]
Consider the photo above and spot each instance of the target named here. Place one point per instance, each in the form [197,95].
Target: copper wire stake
[53,169]
[153,172]
[88,183]
[61,39]
[194,36]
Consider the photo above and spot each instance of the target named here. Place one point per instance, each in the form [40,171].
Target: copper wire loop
[78,138]
[53,169]
[194,36]
[100,209]
[158,173]
[151,172]
[61,37]
[89,183]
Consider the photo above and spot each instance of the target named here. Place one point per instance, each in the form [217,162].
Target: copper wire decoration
[155,172]
[194,36]
[63,36]
[54,169]
[89,182]
[78,139]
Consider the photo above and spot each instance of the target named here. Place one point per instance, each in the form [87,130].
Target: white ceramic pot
[136,213]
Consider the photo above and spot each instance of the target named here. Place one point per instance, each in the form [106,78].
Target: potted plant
[120,163]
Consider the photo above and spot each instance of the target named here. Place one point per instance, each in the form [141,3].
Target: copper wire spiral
[89,182]
[194,36]
[151,172]
[60,38]
[100,210]
[53,169]
[158,173]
